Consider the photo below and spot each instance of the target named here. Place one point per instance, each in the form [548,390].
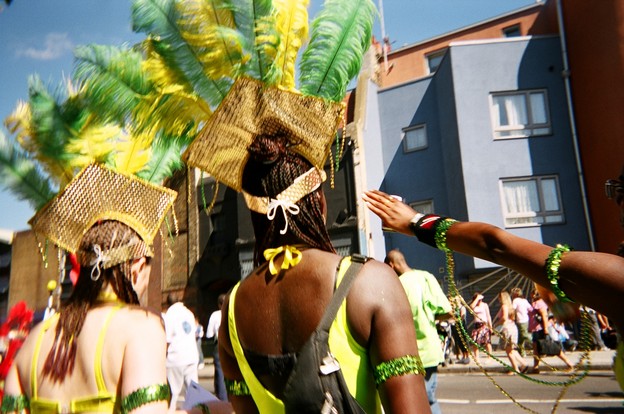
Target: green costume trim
[237,388]
[408,364]
[552,270]
[203,407]
[14,403]
[441,228]
[145,395]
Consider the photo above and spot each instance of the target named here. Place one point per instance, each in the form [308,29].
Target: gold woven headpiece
[251,109]
[98,193]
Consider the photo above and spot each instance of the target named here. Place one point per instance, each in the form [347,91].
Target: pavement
[599,361]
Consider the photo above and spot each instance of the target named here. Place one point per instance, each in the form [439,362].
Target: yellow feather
[93,144]
[209,28]
[172,106]
[19,123]
[292,26]
[132,153]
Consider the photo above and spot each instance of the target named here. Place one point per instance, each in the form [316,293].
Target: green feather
[51,121]
[166,158]
[159,19]
[340,36]
[20,175]
[113,78]
[255,20]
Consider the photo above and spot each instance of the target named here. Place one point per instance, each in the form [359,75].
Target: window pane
[538,108]
[423,207]
[511,110]
[415,138]
[433,61]
[521,197]
[549,191]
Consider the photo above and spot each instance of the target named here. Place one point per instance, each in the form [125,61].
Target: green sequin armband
[14,403]
[237,388]
[552,270]
[440,232]
[408,364]
[145,395]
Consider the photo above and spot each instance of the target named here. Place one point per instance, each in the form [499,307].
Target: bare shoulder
[140,319]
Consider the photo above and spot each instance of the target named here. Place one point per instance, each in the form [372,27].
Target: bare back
[275,315]
[130,332]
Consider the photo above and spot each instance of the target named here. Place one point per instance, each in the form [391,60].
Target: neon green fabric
[426,300]
[619,364]
[356,369]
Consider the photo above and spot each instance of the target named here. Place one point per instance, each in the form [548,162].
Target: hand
[393,213]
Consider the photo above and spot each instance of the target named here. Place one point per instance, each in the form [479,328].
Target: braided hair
[107,235]
[272,167]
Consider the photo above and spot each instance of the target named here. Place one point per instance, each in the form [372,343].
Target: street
[474,393]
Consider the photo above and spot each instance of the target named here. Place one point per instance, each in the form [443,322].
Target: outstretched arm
[594,279]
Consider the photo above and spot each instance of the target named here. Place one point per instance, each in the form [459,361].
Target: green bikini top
[103,402]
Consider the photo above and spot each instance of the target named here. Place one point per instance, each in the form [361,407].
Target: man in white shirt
[182,355]
[522,307]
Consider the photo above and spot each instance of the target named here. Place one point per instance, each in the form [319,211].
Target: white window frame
[419,127]
[536,217]
[522,130]
[438,54]
[423,206]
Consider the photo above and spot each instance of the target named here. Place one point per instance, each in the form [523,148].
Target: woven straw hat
[251,109]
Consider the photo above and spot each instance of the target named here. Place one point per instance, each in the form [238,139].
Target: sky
[38,36]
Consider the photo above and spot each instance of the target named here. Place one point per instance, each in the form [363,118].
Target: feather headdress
[265,100]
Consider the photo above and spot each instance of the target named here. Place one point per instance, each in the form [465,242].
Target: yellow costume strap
[35,358]
[97,362]
[292,257]
[264,400]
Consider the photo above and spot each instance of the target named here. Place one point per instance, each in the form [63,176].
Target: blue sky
[37,36]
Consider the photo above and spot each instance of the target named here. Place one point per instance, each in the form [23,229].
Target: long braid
[272,168]
[61,359]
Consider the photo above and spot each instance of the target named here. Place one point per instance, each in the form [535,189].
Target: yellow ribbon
[292,257]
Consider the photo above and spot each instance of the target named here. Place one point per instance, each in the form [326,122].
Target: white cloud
[54,46]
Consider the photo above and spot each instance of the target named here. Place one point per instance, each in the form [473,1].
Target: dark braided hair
[272,167]
[62,356]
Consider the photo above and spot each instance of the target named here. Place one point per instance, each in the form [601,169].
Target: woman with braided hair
[275,309]
[104,351]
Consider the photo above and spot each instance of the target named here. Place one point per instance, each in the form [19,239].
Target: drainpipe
[568,89]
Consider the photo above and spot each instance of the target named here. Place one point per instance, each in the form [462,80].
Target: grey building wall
[462,166]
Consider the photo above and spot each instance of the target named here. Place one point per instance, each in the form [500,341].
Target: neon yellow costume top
[103,402]
[353,358]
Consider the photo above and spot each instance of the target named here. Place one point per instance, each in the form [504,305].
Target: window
[434,59]
[415,138]
[424,207]
[520,114]
[531,201]
[512,31]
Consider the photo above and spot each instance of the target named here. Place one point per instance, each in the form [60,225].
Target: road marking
[550,401]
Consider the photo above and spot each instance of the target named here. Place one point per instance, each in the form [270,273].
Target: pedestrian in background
[482,331]
[199,336]
[509,333]
[522,308]
[182,356]
[212,334]
[429,304]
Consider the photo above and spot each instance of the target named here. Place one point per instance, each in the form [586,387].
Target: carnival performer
[591,278]
[103,352]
